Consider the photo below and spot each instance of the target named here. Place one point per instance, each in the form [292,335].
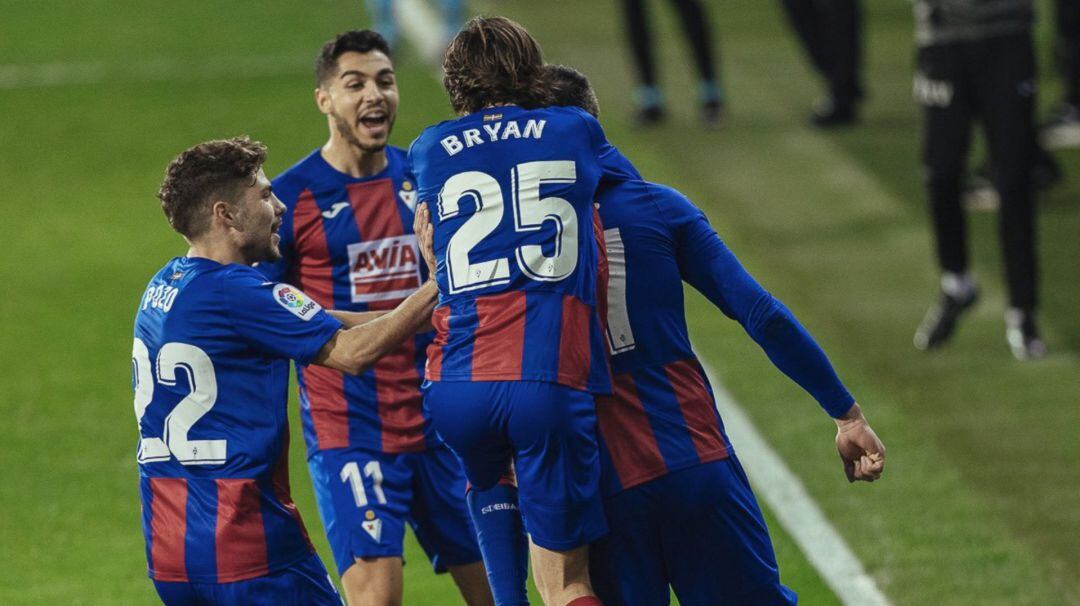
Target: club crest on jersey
[385,269]
[372,526]
[296,302]
[408,195]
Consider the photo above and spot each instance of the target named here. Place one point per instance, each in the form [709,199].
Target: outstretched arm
[710,267]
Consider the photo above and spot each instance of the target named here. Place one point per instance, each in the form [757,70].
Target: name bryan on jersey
[493,133]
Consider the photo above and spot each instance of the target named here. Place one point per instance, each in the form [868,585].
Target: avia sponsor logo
[486,509]
[384,270]
[295,302]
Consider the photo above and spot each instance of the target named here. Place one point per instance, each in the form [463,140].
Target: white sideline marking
[778,485]
[794,508]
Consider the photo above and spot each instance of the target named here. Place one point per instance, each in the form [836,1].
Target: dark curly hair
[210,171]
[491,61]
[355,41]
[571,88]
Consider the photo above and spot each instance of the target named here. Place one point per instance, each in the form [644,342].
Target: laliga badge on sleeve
[295,302]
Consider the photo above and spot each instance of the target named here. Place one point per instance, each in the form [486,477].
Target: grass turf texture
[980,503]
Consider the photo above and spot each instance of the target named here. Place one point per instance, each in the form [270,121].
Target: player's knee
[373,582]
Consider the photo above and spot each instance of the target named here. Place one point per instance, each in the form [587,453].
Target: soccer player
[680,510]
[346,239]
[210,360]
[519,348]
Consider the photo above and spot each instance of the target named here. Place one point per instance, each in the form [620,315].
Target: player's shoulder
[309,170]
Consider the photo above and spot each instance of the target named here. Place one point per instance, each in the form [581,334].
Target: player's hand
[860,449]
[425,236]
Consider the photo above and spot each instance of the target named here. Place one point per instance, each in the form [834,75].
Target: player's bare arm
[354,350]
[860,449]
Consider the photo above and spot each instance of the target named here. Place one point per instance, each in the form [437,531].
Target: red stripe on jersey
[314,270]
[280,482]
[440,319]
[375,209]
[329,409]
[574,350]
[400,284]
[499,340]
[698,408]
[168,528]
[630,440]
[240,536]
[398,397]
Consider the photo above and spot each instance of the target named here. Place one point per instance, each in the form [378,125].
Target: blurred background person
[650,101]
[831,35]
[385,19]
[1063,128]
[976,60]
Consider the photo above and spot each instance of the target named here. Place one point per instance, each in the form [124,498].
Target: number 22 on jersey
[174,435]
[530,212]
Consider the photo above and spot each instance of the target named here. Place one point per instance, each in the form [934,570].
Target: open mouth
[375,119]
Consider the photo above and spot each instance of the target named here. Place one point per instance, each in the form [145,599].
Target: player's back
[511,192]
[211,408]
[662,416]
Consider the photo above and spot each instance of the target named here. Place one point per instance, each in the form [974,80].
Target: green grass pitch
[981,501]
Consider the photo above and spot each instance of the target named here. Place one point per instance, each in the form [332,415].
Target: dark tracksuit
[976,61]
[695,25]
[1068,26]
[830,32]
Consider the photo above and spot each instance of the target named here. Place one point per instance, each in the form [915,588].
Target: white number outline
[350,474]
[620,333]
[530,213]
[203,395]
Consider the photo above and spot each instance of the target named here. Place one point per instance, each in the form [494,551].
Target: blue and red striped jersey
[349,243]
[662,416]
[511,194]
[211,377]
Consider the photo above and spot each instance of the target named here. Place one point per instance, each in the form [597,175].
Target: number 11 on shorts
[350,474]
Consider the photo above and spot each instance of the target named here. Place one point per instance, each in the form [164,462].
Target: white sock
[958,286]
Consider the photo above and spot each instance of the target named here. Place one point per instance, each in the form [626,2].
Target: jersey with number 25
[511,197]
[211,375]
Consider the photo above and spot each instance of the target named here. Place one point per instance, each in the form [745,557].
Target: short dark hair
[355,41]
[571,88]
[493,60]
[201,175]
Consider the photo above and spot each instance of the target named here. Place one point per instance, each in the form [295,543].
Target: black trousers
[992,81]
[1068,25]
[831,34]
[695,26]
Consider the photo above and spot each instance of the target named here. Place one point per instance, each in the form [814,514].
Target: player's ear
[322,100]
[223,213]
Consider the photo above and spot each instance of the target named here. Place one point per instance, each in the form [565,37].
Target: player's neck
[217,250]
[354,162]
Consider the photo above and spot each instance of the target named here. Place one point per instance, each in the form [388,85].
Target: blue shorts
[698,530]
[548,431]
[305,582]
[366,497]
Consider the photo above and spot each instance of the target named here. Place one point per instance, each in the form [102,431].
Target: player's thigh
[553,430]
[439,513]
[364,498]
[715,543]
[626,565]
[1007,89]
[470,417]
